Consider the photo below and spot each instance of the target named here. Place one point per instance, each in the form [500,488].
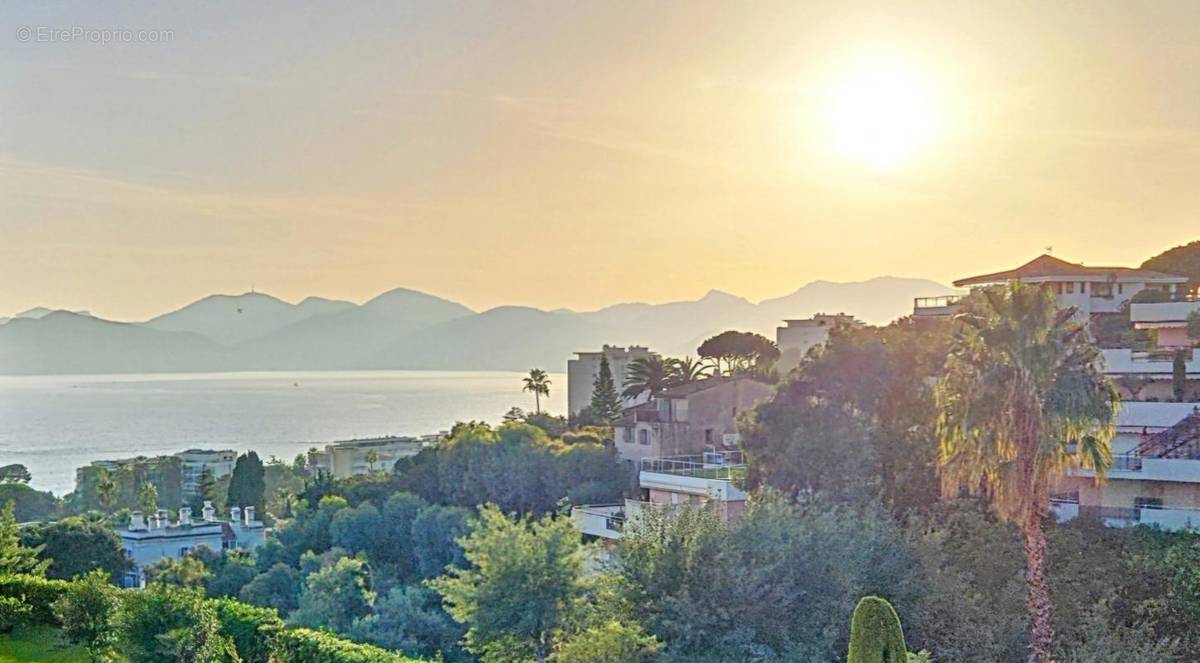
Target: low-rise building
[1168,320]
[688,419]
[585,367]
[355,457]
[151,538]
[711,479]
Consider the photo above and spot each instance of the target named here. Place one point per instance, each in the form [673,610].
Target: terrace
[936,306]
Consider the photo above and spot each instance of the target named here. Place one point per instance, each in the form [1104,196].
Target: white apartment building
[193,462]
[356,457]
[148,539]
[585,367]
[1089,289]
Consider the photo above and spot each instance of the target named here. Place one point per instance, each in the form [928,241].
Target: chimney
[137,522]
[185,515]
[162,518]
[209,513]
[235,514]
[249,511]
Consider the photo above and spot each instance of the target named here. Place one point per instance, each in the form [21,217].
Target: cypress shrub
[36,592]
[875,633]
[301,645]
[252,629]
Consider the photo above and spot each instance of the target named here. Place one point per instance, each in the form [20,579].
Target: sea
[54,424]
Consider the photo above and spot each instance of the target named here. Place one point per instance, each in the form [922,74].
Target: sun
[882,115]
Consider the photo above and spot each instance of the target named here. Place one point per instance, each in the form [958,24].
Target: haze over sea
[53,424]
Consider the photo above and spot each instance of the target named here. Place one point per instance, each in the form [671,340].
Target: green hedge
[252,629]
[301,645]
[38,593]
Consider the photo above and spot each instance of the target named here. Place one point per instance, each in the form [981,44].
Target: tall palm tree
[689,369]
[538,383]
[1020,403]
[650,374]
[106,490]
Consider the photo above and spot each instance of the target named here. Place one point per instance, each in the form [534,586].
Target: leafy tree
[278,587]
[206,491]
[524,579]
[538,383]
[247,484]
[88,612]
[16,558]
[75,545]
[231,571]
[875,633]
[611,642]
[740,353]
[606,403]
[334,597]
[648,375]
[1022,400]
[436,532]
[411,619]
[168,624]
[15,473]
[29,504]
[187,572]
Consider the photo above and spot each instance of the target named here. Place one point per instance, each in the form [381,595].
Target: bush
[13,613]
[252,629]
[38,593]
[301,645]
[88,612]
[875,634]
[167,624]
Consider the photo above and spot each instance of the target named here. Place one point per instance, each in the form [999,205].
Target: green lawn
[39,643]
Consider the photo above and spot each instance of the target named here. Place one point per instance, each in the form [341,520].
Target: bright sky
[580,154]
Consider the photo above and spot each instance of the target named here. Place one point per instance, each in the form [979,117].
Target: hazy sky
[578,154]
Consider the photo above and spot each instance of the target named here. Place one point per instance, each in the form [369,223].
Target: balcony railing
[1127,462]
[721,465]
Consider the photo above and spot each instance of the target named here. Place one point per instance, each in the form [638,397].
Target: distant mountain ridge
[408,329]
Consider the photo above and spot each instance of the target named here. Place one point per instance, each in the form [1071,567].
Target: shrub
[38,593]
[301,645]
[88,612]
[13,613]
[875,634]
[167,624]
[252,629]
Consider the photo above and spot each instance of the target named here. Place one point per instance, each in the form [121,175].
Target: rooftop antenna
[1050,250]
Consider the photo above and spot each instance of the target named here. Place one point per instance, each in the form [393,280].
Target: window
[185,550]
[644,437]
[708,436]
[1147,503]
[1069,287]
[1120,288]
[627,435]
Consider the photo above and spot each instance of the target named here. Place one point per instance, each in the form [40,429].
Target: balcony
[1153,363]
[713,475]
[936,306]
[1171,518]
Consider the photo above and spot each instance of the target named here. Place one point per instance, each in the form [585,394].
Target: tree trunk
[1041,630]
[537,402]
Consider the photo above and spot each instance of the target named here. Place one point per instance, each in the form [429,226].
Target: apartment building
[1090,290]
[149,538]
[357,457]
[797,337]
[193,463]
[585,367]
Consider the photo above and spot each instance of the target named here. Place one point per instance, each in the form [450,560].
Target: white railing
[721,465]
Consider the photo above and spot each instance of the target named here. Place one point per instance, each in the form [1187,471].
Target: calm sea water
[53,424]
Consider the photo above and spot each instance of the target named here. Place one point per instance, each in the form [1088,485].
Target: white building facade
[585,367]
[149,539]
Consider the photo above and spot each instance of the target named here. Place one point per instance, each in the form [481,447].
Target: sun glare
[881,115]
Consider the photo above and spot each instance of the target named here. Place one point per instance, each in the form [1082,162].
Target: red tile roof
[1047,266]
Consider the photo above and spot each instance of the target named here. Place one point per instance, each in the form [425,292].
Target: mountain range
[407,329]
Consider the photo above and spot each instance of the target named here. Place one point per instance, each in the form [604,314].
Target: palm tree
[106,490]
[372,457]
[1020,403]
[688,370]
[648,374]
[539,383]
